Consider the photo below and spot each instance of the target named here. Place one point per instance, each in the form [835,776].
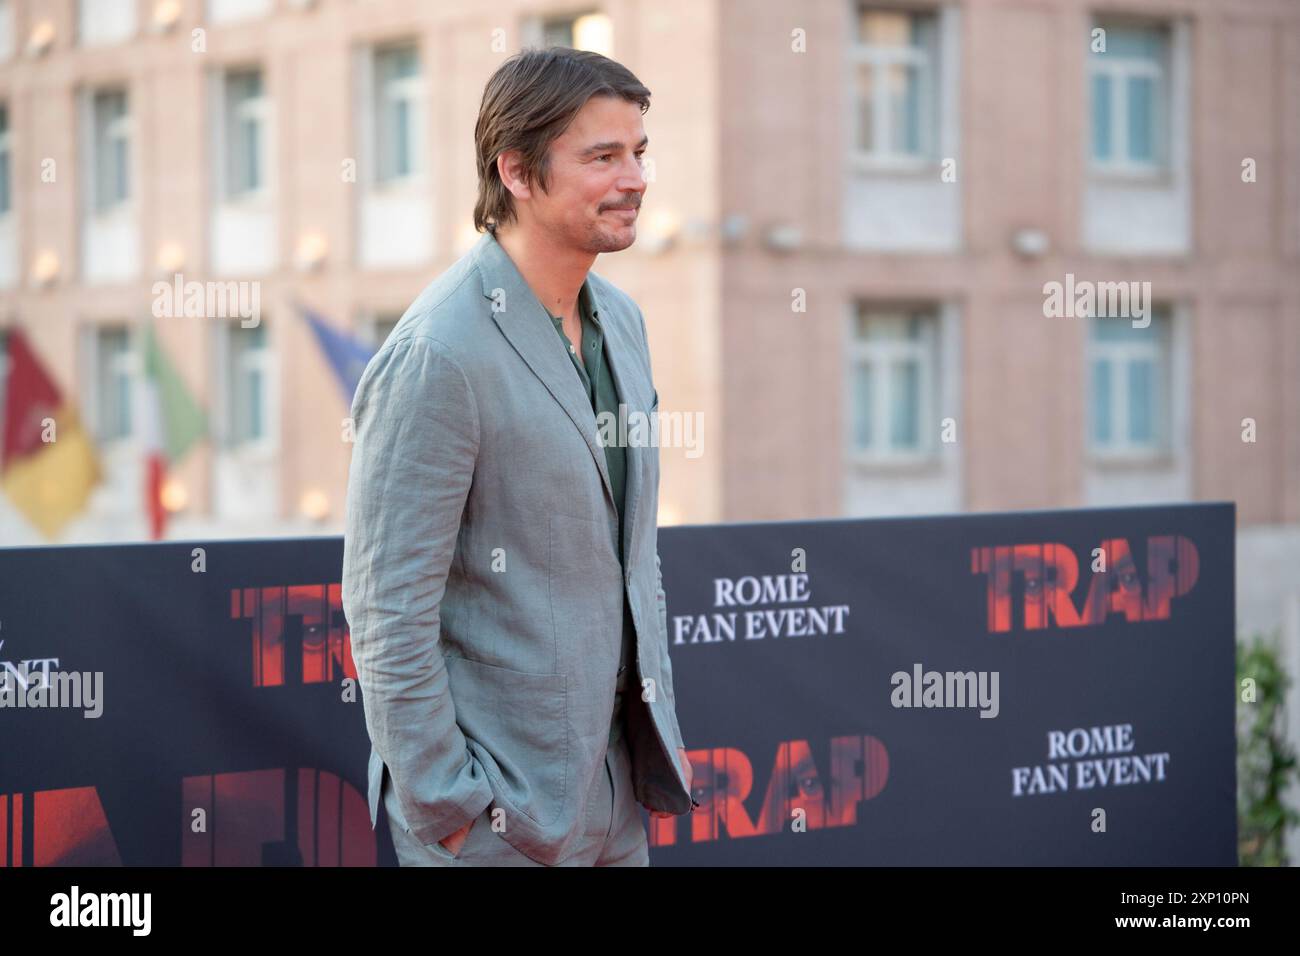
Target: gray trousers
[613,836]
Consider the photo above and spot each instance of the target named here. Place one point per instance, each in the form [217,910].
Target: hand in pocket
[453,842]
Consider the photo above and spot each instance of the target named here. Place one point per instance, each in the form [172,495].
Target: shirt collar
[586,304]
[584,307]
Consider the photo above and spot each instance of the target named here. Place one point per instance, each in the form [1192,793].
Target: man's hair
[529,102]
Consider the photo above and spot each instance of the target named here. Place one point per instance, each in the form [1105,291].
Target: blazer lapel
[621,367]
[527,326]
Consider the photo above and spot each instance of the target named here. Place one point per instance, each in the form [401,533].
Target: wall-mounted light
[1030,243]
[734,228]
[310,255]
[41,38]
[783,238]
[174,495]
[45,268]
[169,260]
[661,231]
[314,505]
[594,32]
[166,13]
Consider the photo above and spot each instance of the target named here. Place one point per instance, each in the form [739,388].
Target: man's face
[596,182]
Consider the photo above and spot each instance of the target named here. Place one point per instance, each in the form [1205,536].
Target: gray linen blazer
[481,581]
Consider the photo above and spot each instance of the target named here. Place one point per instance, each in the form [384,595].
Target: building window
[398,113]
[1130,99]
[1129,386]
[895,58]
[111,120]
[115,369]
[245,129]
[247,380]
[246,482]
[583,31]
[382,327]
[228,11]
[105,21]
[6,29]
[6,174]
[893,378]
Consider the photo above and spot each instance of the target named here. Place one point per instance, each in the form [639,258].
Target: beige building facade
[854,212]
[862,255]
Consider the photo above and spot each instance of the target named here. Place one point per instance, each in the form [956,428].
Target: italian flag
[171,421]
[48,466]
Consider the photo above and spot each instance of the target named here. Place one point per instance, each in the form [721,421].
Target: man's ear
[508,168]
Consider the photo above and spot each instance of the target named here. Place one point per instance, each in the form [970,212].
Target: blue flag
[347,355]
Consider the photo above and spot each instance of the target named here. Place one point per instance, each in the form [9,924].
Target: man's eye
[606,156]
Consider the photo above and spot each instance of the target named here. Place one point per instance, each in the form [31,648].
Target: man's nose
[634,179]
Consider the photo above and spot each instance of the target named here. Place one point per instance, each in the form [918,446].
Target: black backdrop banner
[1037,688]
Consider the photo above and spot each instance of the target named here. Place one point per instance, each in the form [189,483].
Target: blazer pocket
[522,721]
[438,848]
[435,847]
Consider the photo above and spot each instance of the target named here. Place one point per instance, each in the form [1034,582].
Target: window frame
[410,89]
[81,12]
[1118,354]
[115,131]
[1119,69]
[374,319]
[8,26]
[928,60]
[129,364]
[536,27]
[214,15]
[882,356]
[6,164]
[230,439]
[256,109]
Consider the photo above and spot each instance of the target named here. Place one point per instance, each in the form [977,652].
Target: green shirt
[599,386]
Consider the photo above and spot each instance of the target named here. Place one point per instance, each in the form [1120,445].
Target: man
[500,573]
